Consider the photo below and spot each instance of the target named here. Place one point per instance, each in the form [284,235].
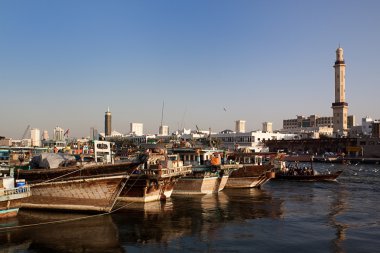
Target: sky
[63,63]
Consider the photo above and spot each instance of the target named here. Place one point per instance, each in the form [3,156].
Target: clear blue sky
[64,62]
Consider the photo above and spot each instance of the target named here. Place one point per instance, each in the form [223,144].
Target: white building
[113,134]
[268,127]
[182,132]
[240,126]
[139,139]
[367,125]
[45,135]
[310,132]
[163,131]
[137,129]
[252,140]
[35,137]
[102,151]
[116,134]
[58,134]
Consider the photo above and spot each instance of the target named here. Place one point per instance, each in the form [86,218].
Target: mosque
[337,125]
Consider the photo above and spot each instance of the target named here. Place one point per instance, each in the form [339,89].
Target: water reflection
[97,234]
[145,223]
[192,216]
[338,207]
[141,224]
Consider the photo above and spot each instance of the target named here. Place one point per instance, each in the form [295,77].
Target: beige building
[137,129]
[340,106]
[305,122]
[351,121]
[267,127]
[35,136]
[240,126]
[45,135]
[5,142]
[163,130]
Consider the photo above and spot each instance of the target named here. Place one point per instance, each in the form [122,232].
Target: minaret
[340,106]
[107,123]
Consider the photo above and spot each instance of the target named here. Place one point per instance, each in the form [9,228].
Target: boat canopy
[298,158]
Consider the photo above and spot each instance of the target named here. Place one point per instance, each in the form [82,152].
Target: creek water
[283,216]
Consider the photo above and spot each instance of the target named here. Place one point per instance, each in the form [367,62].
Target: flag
[67,132]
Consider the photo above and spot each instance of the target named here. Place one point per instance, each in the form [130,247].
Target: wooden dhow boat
[208,175]
[156,179]
[256,170]
[92,186]
[294,168]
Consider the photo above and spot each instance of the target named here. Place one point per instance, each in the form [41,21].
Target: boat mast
[210,142]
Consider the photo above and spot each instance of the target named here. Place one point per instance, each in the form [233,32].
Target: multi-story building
[367,125]
[163,131]
[267,127]
[94,135]
[254,140]
[324,122]
[304,122]
[240,126]
[351,121]
[45,135]
[137,129]
[35,136]
[58,134]
[375,129]
[5,142]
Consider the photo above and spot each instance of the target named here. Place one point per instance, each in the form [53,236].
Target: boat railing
[18,190]
[164,172]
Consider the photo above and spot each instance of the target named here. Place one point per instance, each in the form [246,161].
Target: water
[281,217]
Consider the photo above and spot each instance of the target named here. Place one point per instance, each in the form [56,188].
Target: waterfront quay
[366,149]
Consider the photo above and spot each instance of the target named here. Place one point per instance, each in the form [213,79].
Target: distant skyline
[62,63]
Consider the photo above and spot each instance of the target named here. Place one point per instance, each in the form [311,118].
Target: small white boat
[11,194]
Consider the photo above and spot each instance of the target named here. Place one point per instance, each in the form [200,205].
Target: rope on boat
[50,180]
[118,201]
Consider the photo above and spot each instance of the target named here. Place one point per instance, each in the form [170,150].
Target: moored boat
[315,177]
[208,175]
[256,170]
[11,195]
[296,168]
[156,179]
[92,186]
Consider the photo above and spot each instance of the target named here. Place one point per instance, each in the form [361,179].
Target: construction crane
[25,132]
[197,129]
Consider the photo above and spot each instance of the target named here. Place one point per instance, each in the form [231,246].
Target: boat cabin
[196,156]
[102,151]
